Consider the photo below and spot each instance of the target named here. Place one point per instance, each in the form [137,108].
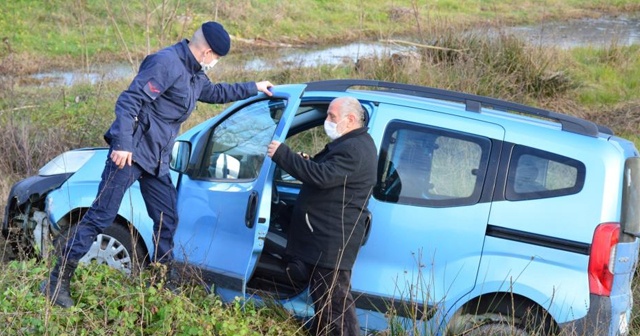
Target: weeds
[109,302]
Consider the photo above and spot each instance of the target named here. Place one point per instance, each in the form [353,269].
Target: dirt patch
[623,118]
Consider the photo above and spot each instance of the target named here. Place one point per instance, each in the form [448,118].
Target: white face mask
[331,129]
[208,66]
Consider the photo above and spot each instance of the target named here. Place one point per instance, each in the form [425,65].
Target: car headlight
[67,162]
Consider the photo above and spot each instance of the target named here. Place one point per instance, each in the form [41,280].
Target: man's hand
[272,148]
[264,87]
[120,158]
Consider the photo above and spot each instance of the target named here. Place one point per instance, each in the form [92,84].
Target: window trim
[518,151]
[204,144]
[485,143]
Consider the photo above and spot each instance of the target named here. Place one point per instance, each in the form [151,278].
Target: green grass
[610,75]
[110,303]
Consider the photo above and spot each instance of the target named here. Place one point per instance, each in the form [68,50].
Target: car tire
[497,329]
[500,321]
[116,246]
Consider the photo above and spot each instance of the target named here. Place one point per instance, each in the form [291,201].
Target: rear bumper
[600,320]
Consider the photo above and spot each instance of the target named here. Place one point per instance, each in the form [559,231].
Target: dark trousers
[160,198]
[335,309]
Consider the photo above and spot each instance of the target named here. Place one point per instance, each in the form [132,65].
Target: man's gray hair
[348,105]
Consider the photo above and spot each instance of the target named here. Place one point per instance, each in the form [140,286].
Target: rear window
[538,174]
[428,166]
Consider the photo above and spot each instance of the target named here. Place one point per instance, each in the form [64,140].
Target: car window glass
[237,146]
[310,141]
[539,174]
[431,167]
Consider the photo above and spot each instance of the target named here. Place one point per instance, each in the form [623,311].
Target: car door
[429,211]
[224,197]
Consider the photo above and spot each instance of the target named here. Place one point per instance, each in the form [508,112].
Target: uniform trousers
[160,197]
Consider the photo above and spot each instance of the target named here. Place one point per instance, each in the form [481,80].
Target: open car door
[224,197]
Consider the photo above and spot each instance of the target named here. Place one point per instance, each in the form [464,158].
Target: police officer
[148,117]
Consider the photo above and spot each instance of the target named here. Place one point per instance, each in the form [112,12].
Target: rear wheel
[510,316]
[117,246]
[494,325]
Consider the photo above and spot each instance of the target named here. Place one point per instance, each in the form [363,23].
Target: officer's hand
[120,158]
[264,87]
[272,148]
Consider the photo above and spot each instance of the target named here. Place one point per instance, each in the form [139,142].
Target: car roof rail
[473,103]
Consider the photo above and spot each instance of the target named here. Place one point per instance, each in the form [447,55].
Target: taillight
[601,258]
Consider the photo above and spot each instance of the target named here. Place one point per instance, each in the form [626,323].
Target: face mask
[209,66]
[331,129]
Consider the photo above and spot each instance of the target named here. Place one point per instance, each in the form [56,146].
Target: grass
[83,33]
[38,122]
[109,302]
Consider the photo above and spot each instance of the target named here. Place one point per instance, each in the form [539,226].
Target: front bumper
[32,189]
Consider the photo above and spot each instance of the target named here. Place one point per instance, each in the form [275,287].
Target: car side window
[429,166]
[538,174]
[237,146]
[310,141]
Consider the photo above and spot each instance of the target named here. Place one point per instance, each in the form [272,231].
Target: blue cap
[217,38]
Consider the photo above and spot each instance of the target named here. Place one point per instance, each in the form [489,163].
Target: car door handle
[252,207]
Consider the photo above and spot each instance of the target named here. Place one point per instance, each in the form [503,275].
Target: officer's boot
[56,288]
[165,275]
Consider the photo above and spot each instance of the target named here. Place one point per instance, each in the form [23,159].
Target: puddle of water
[93,76]
[600,32]
[328,56]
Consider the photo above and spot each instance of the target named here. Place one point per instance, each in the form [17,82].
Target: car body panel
[79,192]
[217,237]
[417,268]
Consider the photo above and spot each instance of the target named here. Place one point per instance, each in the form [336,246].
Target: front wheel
[117,247]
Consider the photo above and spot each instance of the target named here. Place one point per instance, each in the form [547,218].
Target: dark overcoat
[328,221]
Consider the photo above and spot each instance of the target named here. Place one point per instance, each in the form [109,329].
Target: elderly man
[148,117]
[328,221]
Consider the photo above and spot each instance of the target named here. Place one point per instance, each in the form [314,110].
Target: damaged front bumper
[26,225]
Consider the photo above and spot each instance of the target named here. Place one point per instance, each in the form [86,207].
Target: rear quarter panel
[555,279]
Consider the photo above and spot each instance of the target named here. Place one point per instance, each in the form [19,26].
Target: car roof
[452,99]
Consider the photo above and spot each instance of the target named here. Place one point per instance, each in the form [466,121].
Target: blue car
[488,217]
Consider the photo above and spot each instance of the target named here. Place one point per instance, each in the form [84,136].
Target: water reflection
[622,31]
[327,56]
[91,76]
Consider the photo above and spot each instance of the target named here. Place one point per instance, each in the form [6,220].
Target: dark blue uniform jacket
[162,96]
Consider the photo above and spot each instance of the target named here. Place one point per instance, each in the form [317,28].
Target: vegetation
[38,120]
[108,302]
[82,33]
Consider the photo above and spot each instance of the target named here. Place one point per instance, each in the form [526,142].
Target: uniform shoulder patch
[153,89]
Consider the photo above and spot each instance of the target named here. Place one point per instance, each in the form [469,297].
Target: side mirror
[180,156]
